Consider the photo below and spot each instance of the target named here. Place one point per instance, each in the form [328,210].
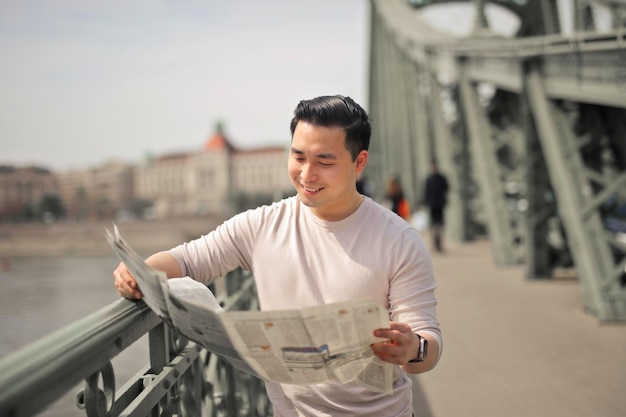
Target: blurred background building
[216,179]
[25,190]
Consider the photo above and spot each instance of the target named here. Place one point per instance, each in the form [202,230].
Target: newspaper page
[197,314]
[315,344]
[153,283]
[308,346]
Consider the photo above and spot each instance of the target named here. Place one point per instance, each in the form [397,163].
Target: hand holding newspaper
[307,346]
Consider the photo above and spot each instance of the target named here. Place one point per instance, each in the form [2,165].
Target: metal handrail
[54,364]
[181,375]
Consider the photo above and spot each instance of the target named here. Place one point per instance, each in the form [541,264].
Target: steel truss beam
[604,295]
[556,129]
[487,172]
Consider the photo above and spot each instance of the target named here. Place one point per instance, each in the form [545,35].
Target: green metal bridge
[531,133]
[530,130]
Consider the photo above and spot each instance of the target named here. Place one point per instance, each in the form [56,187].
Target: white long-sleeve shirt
[300,260]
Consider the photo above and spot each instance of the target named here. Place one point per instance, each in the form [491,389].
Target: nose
[308,173]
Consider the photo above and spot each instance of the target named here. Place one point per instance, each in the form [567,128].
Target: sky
[87,82]
[83,83]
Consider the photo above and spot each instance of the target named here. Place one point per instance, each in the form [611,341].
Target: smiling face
[323,172]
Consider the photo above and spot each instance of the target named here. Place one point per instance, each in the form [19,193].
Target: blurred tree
[138,207]
[28,212]
[51,204]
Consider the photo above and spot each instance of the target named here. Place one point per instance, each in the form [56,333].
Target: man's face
[322,171]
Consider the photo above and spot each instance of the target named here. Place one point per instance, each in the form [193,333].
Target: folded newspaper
[307,346]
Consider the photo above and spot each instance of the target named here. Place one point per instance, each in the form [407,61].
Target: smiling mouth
[311,189]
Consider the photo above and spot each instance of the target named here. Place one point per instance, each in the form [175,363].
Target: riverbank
[87,238]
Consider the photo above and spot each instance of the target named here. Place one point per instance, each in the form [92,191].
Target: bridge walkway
[518,347]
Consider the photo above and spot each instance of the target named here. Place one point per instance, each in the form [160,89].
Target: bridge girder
[543,159]
[537,17]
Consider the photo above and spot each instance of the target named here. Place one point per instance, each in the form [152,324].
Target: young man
[327,244]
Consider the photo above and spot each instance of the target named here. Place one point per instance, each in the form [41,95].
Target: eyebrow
[319,155]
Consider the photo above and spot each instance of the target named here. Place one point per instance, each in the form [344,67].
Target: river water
[41,295]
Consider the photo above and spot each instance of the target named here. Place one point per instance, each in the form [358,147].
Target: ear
[361,161]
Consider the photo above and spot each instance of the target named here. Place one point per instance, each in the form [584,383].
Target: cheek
[338,174]
[292,169]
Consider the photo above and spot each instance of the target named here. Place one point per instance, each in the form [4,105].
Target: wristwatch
[422,350]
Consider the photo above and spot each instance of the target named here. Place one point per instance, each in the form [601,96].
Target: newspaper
[307,346]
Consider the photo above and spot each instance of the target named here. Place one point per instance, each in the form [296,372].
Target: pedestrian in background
[395,199]
[436,190]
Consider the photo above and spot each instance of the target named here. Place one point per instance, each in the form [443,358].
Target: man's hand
[401,346]
[125,283]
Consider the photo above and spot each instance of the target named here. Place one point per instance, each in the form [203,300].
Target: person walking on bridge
[328,243]
[435,196]
[396,200]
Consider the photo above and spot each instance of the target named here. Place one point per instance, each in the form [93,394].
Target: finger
[129,291]
[387,348]
[125,283]
[121,286]
[400,333]
[387,353]
[124,274]
[120,282]
[399,344]
[402,327]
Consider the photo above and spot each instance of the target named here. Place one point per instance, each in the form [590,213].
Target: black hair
[336,111]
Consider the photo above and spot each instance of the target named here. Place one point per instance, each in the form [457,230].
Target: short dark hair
[336,111]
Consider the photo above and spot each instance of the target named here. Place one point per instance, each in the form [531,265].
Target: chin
[307,200]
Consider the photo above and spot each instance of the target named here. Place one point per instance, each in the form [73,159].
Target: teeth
[310,190]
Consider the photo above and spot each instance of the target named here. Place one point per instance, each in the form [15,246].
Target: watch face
[421,350]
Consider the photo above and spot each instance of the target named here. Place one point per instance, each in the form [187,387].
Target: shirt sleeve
[222,250]
[412,287]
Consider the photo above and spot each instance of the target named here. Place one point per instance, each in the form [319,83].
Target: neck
[340,214]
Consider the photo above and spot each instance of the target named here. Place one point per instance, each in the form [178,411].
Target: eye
[325,164]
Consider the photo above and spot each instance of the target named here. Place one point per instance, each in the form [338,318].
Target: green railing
[180,379]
